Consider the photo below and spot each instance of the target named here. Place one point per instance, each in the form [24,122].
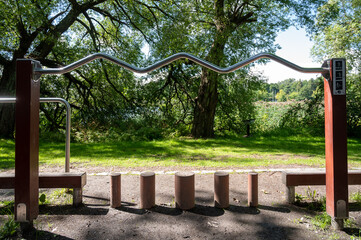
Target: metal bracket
[21,212]
[36,75]
[326,66]
[341,212]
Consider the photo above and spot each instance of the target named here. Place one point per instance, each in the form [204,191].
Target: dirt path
[96,220]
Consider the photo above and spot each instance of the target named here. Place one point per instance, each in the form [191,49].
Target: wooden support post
[184,190]
[336,142]
[115,190]
[77,197]
[26,142]
[252,189]
[290,194]
[147,190]
[221,189]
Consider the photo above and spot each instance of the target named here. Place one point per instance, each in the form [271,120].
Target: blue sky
[295,47]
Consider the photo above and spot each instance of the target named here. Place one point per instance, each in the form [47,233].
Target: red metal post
[27,142]
[336,142]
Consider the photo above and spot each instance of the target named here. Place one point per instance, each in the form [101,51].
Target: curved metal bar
[173,58]
[68,123]
[67,127]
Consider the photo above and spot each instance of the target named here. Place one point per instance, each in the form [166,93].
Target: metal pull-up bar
[173,58]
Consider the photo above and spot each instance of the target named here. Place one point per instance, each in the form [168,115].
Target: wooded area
[181,98]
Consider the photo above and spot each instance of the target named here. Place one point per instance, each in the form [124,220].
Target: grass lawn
[256,151]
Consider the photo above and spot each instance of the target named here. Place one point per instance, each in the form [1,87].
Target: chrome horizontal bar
[173,58]
[68,123]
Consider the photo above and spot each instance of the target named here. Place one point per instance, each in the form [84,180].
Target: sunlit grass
[256,151]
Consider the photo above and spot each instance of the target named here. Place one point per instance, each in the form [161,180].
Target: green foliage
[356,197]
[42,198]
[321,221]
[269,117]
[336,35]
[288,90]
[281,96]
[6,207]
[311,200]
[9,228]
[335,32]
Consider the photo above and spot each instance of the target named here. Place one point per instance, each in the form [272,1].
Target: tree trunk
[7,110]
[206,101]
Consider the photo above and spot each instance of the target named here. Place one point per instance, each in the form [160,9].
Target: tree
[226,32]
[59,32]
[30,29]
[337,34]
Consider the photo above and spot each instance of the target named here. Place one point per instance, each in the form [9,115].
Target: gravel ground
[272,219]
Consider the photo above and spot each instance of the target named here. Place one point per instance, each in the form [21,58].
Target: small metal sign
[339,76]
[341,209]
[21,212]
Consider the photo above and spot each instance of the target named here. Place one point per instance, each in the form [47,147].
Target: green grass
[256,151]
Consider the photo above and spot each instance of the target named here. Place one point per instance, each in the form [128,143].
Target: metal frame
[67,124]
[27,89]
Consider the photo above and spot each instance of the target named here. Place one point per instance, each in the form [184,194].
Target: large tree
[61,31]
[225,32]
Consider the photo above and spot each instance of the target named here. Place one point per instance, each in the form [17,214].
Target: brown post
[115,190]
[336,142]
[147,190]
[26,142]
[221,189]
[184,190]
[252,189]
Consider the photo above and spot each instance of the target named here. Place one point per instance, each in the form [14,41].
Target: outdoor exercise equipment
[67,123]
[28,73]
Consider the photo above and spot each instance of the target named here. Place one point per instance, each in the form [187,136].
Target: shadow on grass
[185,151]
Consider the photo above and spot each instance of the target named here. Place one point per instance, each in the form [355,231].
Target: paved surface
[96,220]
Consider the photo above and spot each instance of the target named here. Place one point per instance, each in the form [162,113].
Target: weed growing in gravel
[334,236]
[356,197]
[321,221]
[9,228]
[6,207]
[58,196]
[312,200]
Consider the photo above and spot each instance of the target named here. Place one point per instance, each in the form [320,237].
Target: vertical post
[147,190]
[27,142]
[115,190]
[221,189]
[184,190]
[336,142]
[253,189]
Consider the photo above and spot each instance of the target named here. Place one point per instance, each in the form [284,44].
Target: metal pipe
[67,128]
[173,58]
